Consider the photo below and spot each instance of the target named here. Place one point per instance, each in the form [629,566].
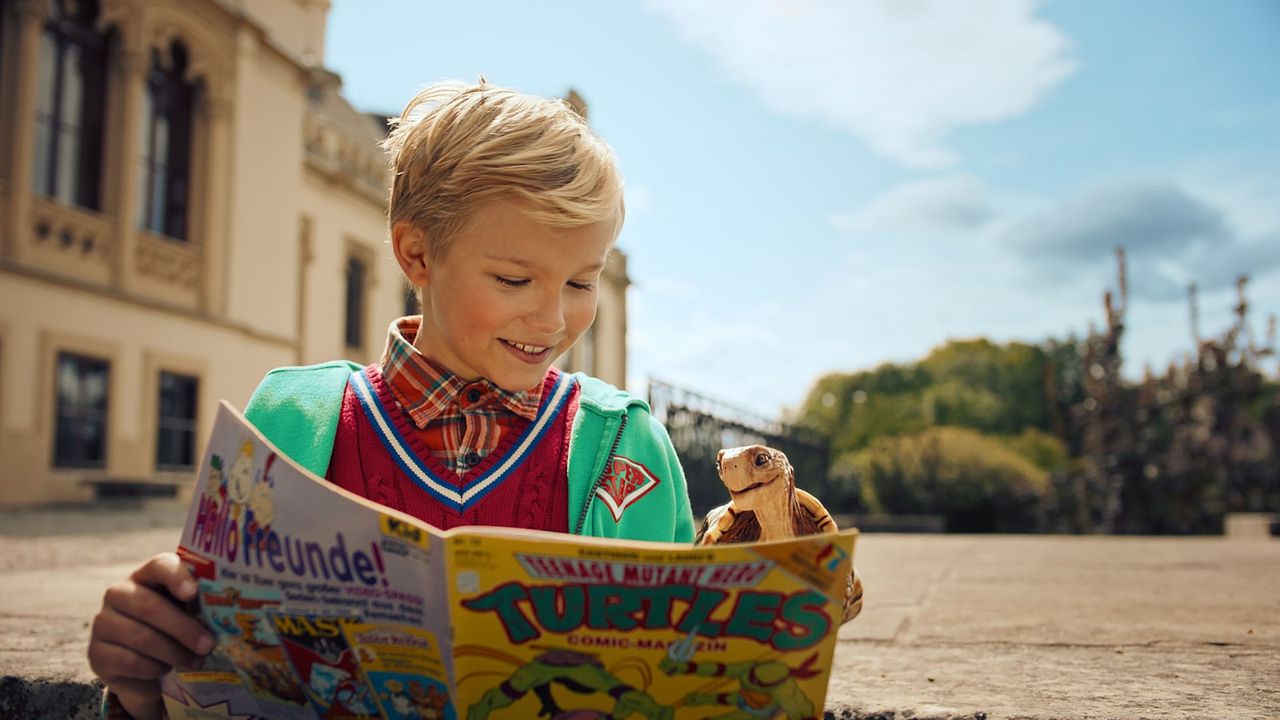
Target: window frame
[59,462]
[190,425]
[53,129]
[168,99]
[355,320]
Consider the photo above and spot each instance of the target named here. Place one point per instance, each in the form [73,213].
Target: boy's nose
[548,315]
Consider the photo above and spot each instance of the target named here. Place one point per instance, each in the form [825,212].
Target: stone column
[216,187]
[30,16]
[123,163]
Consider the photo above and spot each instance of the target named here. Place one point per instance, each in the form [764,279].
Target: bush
[976,482]
[1041,448]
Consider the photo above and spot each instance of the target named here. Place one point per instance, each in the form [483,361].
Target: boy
[503,211]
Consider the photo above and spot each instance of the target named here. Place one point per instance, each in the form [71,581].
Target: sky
[819,186]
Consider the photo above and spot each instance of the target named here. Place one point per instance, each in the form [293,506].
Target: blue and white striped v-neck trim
[474,489]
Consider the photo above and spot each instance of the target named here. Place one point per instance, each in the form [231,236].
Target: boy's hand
[142,632]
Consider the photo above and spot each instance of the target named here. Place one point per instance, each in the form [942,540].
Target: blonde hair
[457,146]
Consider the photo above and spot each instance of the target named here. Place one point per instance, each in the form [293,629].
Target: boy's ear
[409,243]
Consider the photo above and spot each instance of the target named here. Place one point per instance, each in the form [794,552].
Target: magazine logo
[624,482]
[783,621]
[240,496]
[234,523]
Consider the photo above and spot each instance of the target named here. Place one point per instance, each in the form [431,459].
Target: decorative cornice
[115,293]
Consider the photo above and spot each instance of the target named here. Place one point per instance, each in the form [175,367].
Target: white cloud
[900,75]
[1158,217]
[953,202]
[1172,236]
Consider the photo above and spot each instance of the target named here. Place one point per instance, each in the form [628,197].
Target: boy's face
[510,295]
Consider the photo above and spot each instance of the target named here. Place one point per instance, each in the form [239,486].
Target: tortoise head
[756,476]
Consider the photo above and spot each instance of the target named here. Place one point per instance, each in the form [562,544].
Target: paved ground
[954,626]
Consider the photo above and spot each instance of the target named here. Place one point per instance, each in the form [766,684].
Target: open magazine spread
[326,605]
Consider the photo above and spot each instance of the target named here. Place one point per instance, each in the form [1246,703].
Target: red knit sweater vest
[523,483]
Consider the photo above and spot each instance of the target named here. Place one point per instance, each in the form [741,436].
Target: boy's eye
[510,282]
[580,285]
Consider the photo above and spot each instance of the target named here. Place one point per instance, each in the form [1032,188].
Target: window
[355,302]
[411,305]
[176,426]
[72,89]
[166,145]
[81,435]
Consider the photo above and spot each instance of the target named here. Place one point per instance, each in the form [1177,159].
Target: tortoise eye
[762,459]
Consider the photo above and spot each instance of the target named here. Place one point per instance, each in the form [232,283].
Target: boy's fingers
[121,631]
[124,663]
[141,698]
[150,607]
[166,570]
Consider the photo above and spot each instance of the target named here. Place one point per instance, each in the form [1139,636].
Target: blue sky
[819,186]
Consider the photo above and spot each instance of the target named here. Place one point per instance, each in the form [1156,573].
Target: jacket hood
[605,397]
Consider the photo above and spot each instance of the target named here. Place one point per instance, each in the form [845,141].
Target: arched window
[166,145]
[71,94]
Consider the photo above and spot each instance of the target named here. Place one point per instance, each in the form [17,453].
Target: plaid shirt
[460,421]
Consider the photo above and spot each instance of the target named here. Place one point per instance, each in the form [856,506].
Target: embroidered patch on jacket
[625,481]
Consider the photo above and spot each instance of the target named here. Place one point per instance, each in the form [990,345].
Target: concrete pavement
[953,626]
[1070,627]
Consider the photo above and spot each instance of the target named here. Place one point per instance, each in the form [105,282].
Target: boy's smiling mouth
[528,353]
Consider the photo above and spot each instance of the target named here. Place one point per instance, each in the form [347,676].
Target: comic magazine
[326,605]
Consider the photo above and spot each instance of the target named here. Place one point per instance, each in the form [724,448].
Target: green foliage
[1042,449]
[953,402]
[852,409]
[978,384]
[849,491]
[976,482]
[1006,383]
[880,415]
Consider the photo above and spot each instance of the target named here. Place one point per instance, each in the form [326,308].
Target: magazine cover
[340,608]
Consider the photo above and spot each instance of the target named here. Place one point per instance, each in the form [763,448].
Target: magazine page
[324,605]
[563,627]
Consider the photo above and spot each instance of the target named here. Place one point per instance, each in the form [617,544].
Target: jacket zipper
[591,493]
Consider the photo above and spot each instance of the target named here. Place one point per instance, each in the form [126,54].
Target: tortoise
[766,505]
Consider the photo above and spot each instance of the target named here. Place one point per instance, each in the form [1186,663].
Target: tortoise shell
[726,524]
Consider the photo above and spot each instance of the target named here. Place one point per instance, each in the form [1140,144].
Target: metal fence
[701,426]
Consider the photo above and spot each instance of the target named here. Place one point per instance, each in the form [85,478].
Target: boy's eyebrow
[526,264]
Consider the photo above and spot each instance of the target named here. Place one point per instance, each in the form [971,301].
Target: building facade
[186,201]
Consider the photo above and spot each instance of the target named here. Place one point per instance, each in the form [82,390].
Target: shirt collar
[426,391]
